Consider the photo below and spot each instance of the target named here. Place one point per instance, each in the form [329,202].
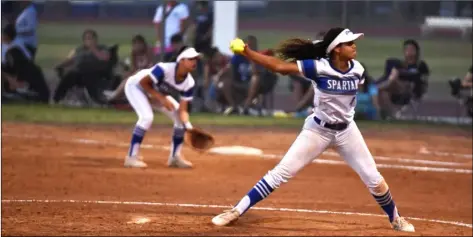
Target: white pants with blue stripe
[140,102]
[315,139]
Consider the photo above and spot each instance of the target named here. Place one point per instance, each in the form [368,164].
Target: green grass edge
[36,113]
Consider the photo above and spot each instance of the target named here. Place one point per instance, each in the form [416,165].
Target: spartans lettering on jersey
[342,85]
[338,86]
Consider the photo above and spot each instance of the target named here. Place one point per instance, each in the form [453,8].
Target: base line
[455,223]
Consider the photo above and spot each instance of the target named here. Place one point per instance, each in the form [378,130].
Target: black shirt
[413,72]
[204,22]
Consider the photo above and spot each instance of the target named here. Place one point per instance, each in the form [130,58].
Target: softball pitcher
[157,83]
[330,66]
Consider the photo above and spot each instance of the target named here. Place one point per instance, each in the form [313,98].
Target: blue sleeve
[157,74]
[188,94]
[372,90]
[307,68]
[235,59]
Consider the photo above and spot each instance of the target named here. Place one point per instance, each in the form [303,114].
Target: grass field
[66,115]
[445,58]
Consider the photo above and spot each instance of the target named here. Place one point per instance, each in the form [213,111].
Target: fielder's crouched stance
[329,64]
[157,83]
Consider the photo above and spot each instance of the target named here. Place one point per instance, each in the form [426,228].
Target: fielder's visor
[188,54]
[344,37]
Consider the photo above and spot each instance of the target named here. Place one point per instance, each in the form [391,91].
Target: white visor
[188,53]
[345,36]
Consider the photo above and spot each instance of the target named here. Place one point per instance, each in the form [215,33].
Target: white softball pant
[315,139]
[139,101]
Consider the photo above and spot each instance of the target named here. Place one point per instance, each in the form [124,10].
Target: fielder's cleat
[179,162]
[134,162]
[401,224]
[226,218]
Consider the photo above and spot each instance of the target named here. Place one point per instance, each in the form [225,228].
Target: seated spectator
[87,65]
[23,76]
[142,57]
[367,103]
[247,81]
[216,66]
[463,90]
[403,80]
[303,93]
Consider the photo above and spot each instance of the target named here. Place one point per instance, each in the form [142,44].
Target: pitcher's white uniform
[330,124]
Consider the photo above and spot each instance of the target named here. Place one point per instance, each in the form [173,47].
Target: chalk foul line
[274,156]
[455,223]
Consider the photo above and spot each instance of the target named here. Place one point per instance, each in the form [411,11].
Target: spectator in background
[457,84]
[204,27]
[176,15]
[463,90]
[403,80]
[22,75]
[26,25]
[176,44]
[247,80]
[216,66]
[141,57]
[87,65]
[367,102]
[302,90]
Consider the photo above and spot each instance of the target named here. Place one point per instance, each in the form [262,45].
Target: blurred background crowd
[78,53]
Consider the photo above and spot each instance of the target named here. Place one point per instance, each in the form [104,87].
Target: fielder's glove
[199,139]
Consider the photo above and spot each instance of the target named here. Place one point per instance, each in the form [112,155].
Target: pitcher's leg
[307,146]
[352,147]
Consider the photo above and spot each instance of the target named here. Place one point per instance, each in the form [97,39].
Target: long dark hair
[416,46]
[300,49]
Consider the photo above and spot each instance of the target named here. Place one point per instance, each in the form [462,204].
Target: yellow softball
[237,45]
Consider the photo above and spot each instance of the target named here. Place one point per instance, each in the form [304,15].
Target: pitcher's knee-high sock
[387,203]
[177,139]
[260,191]
[136,139]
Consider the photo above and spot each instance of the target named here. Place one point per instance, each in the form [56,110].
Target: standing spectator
[26,25]
[204,27]
[141,58]
[22,75]
[176,15]
[403,80]
[88,64]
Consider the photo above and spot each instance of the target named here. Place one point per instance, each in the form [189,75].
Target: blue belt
[334,126]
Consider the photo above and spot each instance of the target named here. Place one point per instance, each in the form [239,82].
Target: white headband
[188,53]
[345,36]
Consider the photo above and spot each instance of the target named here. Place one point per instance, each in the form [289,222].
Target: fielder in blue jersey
[331,67]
